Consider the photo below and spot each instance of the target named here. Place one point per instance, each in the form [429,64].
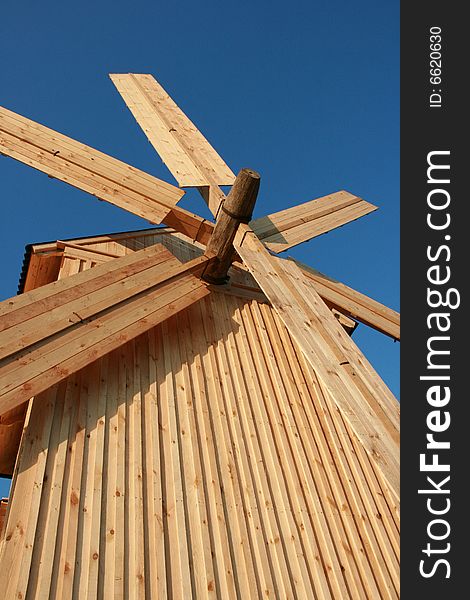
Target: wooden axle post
[236,208]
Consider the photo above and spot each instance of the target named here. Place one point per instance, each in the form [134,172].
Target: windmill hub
[236,208]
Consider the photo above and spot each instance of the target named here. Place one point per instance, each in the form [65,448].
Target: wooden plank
[25,306]
[348,324]
[82,302]
[241,460]
[185,151]
[102,176]
[205,383]
[287,228]
[17,544]
[334,502]
[43,363]
[294,304]
[78,309]
[86,168]
[84,253]
[63,567]
[42,563]
[352,303]
[357,496]
[103,239]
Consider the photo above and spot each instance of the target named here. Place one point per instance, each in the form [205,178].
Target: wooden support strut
[235,209]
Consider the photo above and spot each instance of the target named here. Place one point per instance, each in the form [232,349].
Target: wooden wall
[201,460]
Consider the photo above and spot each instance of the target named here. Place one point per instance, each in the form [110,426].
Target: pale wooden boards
[200,460]
[98,174]
[356,305]
[185,151]
[287,228]
[53,331]
[86,168]
[372,413]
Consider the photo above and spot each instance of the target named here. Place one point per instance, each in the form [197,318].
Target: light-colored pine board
[236,567]
[85,168]
[11,427]
[26,374]
[305,541]
[334,501]
[287,228]
[86,507]
[117,589]
[262,453]
[246,453]
[271,454]
[42,269]
[67,521]
[44,298]
[279,531]
[343,462]
[202,573]
[98,174]
[178,557]
[372,387]
[59,311]
[353,303]
[293,302]
[317,528]
[20,529]
[222,584]
[185,151]
[42,563]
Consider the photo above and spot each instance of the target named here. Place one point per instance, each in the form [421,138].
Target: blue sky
[306,93]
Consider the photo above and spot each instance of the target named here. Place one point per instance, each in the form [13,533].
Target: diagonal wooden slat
[55,330]
[86,168]
[287,228]
[300,308]
[185,151]
[98,174]
[353,303]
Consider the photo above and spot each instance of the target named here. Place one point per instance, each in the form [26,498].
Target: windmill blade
[55,330]
[185,151]
[194,162]
[101,175]
[352,303]
[86,168]
[314,328]
[287,228]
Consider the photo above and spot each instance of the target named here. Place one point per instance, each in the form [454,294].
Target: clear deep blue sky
[307,93]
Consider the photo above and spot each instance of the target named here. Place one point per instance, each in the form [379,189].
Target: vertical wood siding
[201,460]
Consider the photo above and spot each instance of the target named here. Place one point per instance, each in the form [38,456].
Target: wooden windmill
[184,413]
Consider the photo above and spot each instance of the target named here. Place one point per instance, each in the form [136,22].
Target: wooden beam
[354,304]
[86,168]
[237,208]
[53,331]
[371,414]
[185,151]
[287,228]
[349,325]
[98,174]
